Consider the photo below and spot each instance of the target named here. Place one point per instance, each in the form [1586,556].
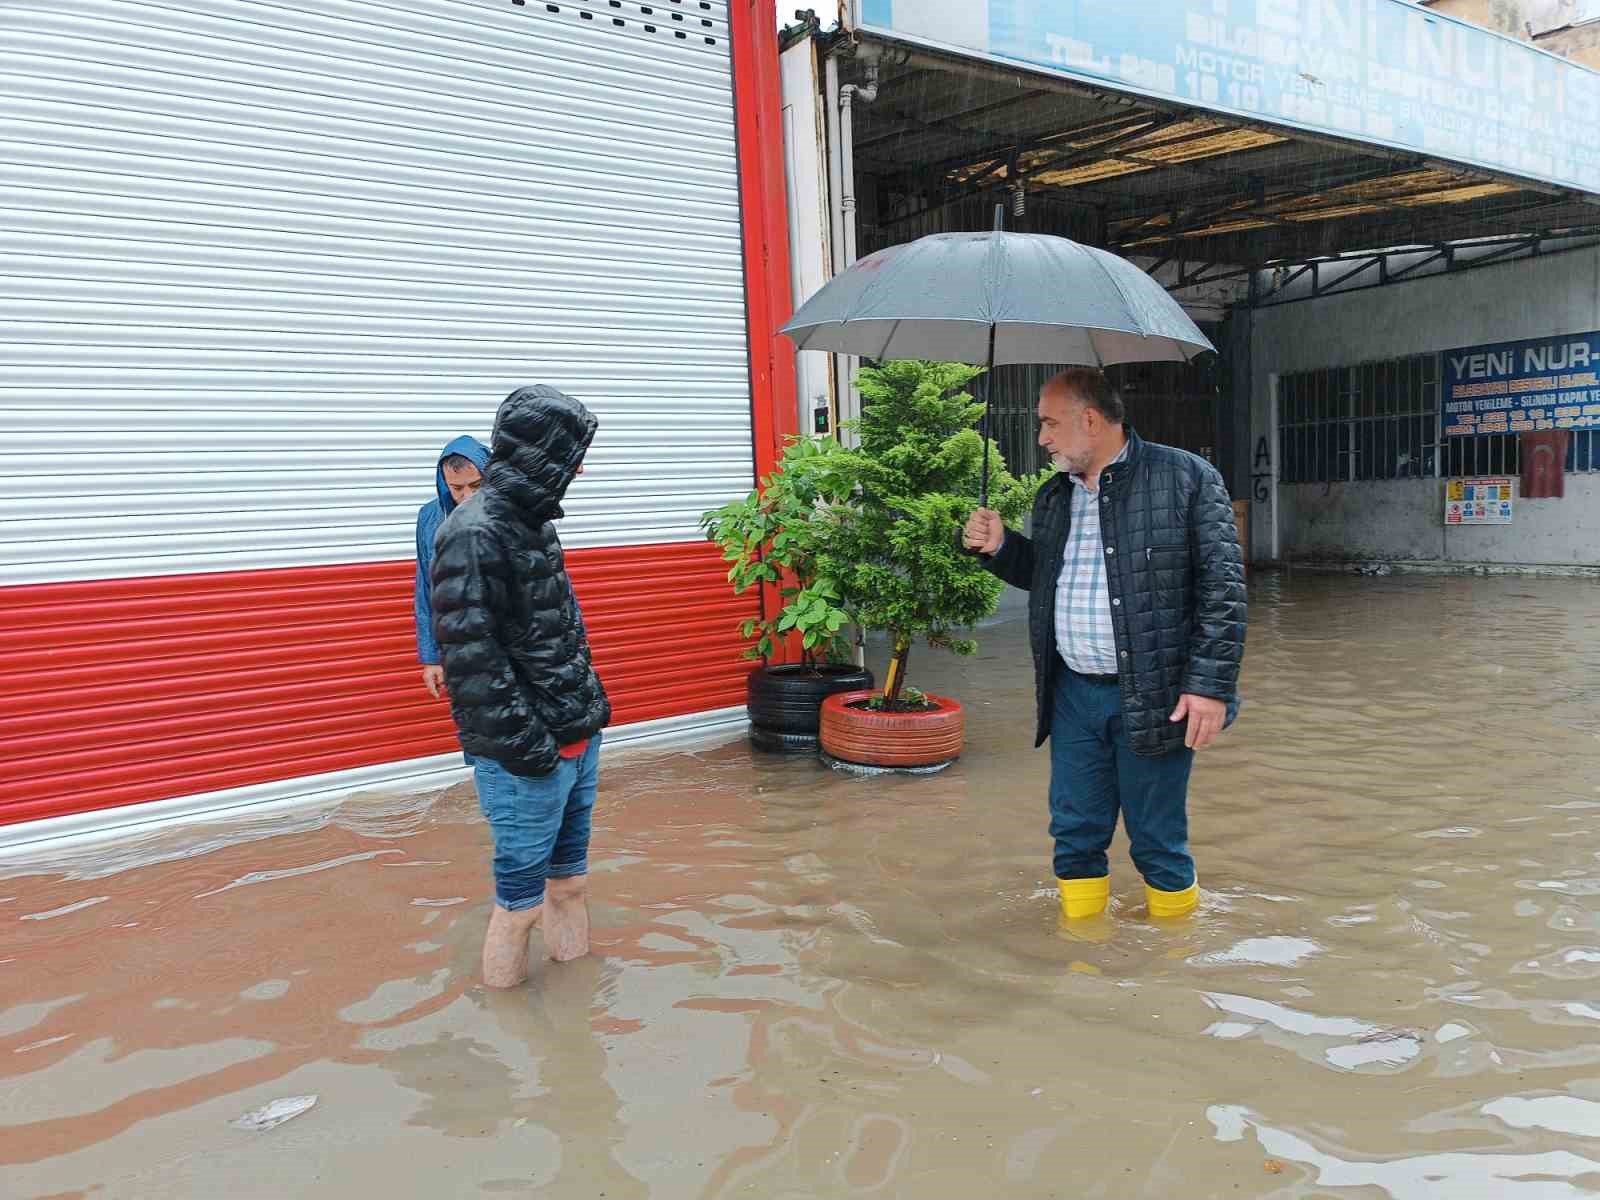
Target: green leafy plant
[910,700]
[771,537]
[869,536]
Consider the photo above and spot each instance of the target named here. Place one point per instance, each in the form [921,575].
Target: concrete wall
[1403,519]
[1383,519]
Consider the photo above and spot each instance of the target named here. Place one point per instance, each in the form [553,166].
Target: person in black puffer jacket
[523,692]
[1136,617]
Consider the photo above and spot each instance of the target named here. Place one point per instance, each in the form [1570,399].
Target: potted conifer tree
[875,527]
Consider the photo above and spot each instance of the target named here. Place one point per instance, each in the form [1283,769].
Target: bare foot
[566,926]
[505,946]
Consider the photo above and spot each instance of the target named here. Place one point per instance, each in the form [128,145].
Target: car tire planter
[880,739]
[772,742]
[783,702]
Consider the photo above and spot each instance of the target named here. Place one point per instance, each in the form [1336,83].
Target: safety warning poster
[1478,501]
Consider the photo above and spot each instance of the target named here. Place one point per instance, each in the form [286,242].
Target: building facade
[260,262]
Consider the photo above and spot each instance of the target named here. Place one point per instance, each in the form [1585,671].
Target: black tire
[785,699]
[771,741]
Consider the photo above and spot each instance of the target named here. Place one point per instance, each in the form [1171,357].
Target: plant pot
[783,702]
[879,739]
[771,742]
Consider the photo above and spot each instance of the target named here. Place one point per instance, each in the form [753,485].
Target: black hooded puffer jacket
[515,654]
[1175,580]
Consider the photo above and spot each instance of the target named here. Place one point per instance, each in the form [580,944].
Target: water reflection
[810,984]
[1460,1175]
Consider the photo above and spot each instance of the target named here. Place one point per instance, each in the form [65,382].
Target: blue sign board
[1380,71]
[1513,387]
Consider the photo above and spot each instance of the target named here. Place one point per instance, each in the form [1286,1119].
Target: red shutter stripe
[131,690]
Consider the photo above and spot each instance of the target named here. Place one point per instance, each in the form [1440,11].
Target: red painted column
[758,109]
[763,201]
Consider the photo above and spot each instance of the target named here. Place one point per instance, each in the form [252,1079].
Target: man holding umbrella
[1137,608]
[1136,619]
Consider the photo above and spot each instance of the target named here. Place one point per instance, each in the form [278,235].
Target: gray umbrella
[997,297]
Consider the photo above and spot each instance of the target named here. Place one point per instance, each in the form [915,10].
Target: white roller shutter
[259,261]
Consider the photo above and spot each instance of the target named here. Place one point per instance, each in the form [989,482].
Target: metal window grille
[1499,454]
[1375,420]
[1380,420]
[1581,454]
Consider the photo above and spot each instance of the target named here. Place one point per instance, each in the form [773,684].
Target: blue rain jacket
[429,518]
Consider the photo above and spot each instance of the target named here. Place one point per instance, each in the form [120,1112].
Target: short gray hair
[1090,385]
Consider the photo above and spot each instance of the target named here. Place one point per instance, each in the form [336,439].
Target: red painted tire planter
[876,739]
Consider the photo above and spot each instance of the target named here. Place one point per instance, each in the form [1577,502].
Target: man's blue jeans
[540,825]
[1094,774]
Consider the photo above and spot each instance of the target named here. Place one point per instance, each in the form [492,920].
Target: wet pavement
[808,984]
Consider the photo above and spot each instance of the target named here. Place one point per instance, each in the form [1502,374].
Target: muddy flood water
[813,985]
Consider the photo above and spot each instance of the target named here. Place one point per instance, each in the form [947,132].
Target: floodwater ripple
[810,984]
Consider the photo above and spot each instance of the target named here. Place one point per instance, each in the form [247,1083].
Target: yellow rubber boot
[1084,897]
[1173,904]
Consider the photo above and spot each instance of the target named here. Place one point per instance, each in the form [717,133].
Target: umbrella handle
[983,432]
[983,478]
[988,404]
[988,384]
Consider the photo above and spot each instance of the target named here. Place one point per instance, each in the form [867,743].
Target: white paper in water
[270,1116]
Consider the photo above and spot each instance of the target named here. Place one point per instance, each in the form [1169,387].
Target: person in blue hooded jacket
[457,477]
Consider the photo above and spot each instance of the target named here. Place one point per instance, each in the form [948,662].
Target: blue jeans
[540,825]
[1094,773]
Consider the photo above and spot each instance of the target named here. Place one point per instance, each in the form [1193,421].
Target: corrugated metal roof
[1183,142]
[1125,172]
[1412,189]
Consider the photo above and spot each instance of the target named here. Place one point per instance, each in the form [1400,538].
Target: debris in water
[851,768]
[1274,1167]
[272,1115]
